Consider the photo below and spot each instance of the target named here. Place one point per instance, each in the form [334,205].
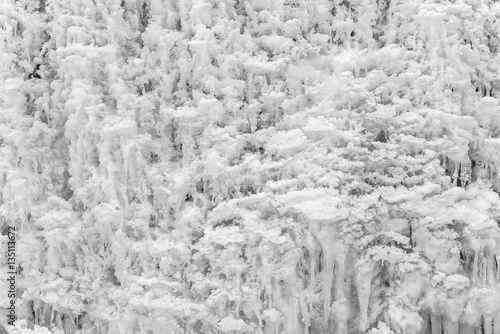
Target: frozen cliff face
[252,166]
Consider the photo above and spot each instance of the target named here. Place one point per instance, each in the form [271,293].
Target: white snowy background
[260,166]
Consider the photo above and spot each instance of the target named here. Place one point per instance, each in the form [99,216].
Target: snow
[118,126]
[287,143]
[252,167]
[229,324]
[20,328]
[315,204]
[317,128]
[382,328]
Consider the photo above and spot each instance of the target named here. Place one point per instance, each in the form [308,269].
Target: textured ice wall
[259,167]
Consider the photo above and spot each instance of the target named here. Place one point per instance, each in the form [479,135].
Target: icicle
[306,314]
[257,314]
[474,267]
[270,298]
[498,267]
[489,274]
[129,164]
[29,311]
[312,281]
[465,171]
[68,324]
[465,328]
[48,314]
[314,248]
[327,285]
[77,168]
[296,323]
[449,326]
[425,324]
[456,172]
[340,268]
[288,309]
[238,288]
[363,285]
[37,311]
[339,274]
[467,257]
[488,324]
[496,324]
[483,275]
[463,100]
[58,319]
[436,325]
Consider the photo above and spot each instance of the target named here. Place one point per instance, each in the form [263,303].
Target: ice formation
[256,166]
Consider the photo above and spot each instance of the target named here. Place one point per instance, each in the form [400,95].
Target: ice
[496,323]
[316,204]
[341,281]
[382,328]
[118,126]
[129,160]
[262,199]
[363,284]
[449,326]
[403,320]
[317,128]
[257,67]
[287,143]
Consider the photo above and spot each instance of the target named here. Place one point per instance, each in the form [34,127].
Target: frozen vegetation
[261,166]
